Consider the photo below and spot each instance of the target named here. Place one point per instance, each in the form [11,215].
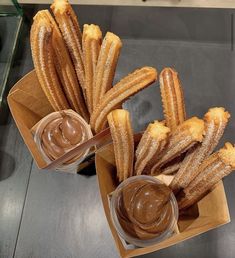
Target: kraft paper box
[211,212]
[28,105]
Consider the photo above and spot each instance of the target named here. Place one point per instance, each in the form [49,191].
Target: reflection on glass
[10,22]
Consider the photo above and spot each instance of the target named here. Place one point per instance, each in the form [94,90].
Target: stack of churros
[76,68]
[176,145]
[216,120]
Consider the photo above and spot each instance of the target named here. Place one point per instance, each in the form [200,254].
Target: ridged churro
[43,59]
[106,66]
[91,41]
[127,87]
[151,144]
[69,26]
[65,69]
[172,98]
[215,120]
[210,172]
[123,142]
[173,166]
[182,138]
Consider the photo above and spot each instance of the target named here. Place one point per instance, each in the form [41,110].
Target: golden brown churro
[69,26]
[210,172]
[91,42]
[173,166]
[106,66]
[151,144]
[65,69]
[172,98]
[216,120]
[43,58]
[127,87]
[182,138]
[123,142]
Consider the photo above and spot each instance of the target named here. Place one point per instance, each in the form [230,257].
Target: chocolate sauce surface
[61,135]
[144,210]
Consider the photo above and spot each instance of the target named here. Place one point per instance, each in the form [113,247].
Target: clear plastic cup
[114,202]
[68,167]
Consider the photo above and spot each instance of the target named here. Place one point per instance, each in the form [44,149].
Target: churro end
[217,114]
[113,38]
[118,115]
[196,127]
[93,31]
[168,71]
[60,6]
[158,130]
[227,154]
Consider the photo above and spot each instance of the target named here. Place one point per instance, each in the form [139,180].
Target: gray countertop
[47,214]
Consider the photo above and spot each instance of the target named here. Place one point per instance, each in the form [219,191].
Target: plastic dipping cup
[115,204]
[69,167]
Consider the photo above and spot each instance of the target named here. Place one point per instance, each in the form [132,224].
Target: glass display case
[10,24]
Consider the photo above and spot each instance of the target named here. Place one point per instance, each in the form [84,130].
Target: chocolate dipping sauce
[61,135]
[144,209]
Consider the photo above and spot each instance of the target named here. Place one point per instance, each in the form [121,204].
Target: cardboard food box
[28,105]
[211,212]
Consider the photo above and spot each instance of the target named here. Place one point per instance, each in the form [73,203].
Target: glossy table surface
[47,214]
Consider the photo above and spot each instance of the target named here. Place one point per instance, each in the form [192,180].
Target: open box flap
[28,93]
[19,111]
[28,104]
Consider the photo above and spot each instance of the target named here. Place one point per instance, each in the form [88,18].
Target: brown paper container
[211,212]
[28,105]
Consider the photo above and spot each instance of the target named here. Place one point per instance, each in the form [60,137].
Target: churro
[69,26]
[91,41]
[182,138]
[127,87]
[106,66]
[210,172]
[173,166]
[215,120]
[123,142]
[172,98]
[151,144]
[43,59]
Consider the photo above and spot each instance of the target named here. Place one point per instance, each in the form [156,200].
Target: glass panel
[10,22]
[8,7]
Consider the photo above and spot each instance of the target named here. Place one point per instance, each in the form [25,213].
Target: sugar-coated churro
[106,66]
[123,142]
[173,166]
[182,138]
[216,120]
[172,98]
[151,144]
[69,26]
[91,41]
[210,172]
[127,87]
[43,59]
